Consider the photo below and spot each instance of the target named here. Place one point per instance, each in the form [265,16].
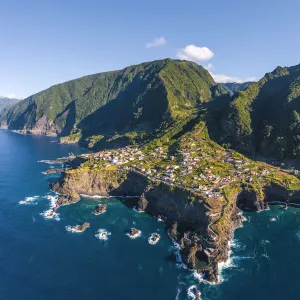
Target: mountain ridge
[140,102]
[264,118]
[142,98]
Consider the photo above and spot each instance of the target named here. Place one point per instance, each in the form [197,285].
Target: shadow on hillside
[134,110]
[69,117]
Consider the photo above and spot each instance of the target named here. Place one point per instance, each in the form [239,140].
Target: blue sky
[47,42]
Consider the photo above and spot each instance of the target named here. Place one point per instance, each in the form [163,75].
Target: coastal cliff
[157,198]
[203,227]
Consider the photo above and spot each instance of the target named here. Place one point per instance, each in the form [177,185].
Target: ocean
[40,259]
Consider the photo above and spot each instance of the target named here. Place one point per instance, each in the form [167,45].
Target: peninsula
[198,186]
[190,151]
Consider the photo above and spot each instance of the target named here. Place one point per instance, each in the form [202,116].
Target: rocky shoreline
[100,209]
[54,171]
[78,228]
[202,227]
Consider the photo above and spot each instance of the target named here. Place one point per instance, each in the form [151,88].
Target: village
[197,166]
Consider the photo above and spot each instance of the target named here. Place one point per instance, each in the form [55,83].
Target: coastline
[212,252]
[157,199]
[193,233]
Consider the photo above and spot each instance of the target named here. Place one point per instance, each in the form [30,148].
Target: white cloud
[195,53]
[157,42]
[11,96]
[221,78]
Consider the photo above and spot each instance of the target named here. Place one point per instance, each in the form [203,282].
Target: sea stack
[78,228]
[154,238]
[134,233]
[100,209]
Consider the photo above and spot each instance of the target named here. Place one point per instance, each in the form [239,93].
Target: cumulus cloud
[221,78]
[157,42]
[195,53]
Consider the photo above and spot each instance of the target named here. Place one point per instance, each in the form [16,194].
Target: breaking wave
[133,237]
[191,292]
[73,229]
[102,234]
[138,211]
[51,213]
[176,250]
[30,200]
[93,197]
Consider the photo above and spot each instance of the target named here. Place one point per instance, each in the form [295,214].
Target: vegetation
[123,107]
[72,138]
[264,118]
[156,101]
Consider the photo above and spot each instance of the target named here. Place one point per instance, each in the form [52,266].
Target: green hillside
[159,98]
[127,104]
[265,117]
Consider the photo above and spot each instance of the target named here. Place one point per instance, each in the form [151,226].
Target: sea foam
[176,249]
[229,262]
[30,200]
[49,214]
[222,266]
[191,293]
[72,229]
[49,162]
[138,211]
[102,234]
[133,237]
[93,197]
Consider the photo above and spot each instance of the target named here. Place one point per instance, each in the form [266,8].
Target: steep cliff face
[250,200]
[176,204]
[201,247]
[41,127]
[264,118]
[275,192]
[108,183]
[203,227]
[179,205]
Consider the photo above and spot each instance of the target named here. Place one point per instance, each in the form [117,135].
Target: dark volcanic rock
[211,274]
[78,228]
[173,230]
[100,209]
[67,199]
[191,249]
[54,171]
[249,200]
[142,203]
[134,233]
[197,293]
